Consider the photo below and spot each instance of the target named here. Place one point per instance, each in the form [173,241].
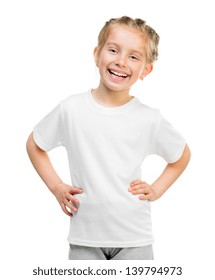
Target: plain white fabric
[106,147]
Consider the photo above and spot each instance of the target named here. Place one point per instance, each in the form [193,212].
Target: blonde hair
[152,38]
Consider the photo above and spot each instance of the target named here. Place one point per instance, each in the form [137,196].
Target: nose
[121,60]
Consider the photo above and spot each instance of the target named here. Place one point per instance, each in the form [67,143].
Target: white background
[45,55]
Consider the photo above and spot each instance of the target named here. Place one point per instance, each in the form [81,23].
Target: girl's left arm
[170,174]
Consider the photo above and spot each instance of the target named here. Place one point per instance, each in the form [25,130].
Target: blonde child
[107,134]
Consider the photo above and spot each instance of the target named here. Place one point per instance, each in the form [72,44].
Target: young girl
[107,134]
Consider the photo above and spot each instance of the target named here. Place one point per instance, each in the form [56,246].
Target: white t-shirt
[106,147]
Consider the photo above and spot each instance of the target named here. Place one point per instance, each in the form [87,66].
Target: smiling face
[122,59]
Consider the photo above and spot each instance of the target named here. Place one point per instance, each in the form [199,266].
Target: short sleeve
[48,133]
[168,142]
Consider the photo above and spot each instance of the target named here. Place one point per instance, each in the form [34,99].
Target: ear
[96,56]
[147,69]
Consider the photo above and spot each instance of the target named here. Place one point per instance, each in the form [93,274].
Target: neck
[110,98]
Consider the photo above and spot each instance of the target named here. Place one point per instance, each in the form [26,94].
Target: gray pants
[93,253]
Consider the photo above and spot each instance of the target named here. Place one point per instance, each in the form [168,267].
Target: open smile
[118,74]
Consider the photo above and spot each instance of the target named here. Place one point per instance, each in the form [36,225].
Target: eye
[134,57]
[113,51]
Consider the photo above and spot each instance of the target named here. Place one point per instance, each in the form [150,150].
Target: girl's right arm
[64,193]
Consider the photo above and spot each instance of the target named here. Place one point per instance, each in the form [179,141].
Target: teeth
[118,74]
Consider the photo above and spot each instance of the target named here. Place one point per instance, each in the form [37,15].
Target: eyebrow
[132,50]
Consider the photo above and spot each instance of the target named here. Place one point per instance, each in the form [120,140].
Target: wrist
[158,190]
[55,187]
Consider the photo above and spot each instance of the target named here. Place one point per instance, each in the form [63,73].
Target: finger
[70,205]
[145,197]
[141,188]
[136,182]
[76,190]
[66,211]
[140,191]
[72,198]
[149,197]
[134,187]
